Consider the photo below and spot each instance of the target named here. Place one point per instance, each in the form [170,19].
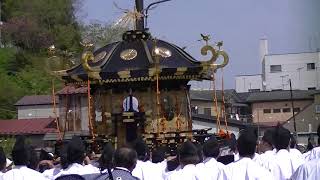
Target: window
[286,110]
[296,109]
[194,109]
[207,111]
[267,111]
[275,68]
[254,90]
[276,110]
[311,88]
[317,108]
[311,66]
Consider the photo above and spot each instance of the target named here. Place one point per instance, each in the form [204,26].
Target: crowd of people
[274,157]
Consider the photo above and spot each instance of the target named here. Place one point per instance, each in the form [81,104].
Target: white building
[33,107]
[301,68]
[277,69]
[249,83]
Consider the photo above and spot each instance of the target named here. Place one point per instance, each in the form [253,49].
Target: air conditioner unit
[317,108]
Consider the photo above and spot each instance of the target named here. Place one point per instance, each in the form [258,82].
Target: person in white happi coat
[308,171]
[21,155]
[266,148]
[75,159]
[63,164]
[171,167]
[315,152]
[210,167]
[188,157]
[245,168]
[145,169]
[142,150]
[286,163]
[294,152]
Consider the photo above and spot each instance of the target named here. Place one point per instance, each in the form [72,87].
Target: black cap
[21,152]
[75,150]
[187,149]
[268,136]
[281,137]
[211,147]
[141,148]
[247,142]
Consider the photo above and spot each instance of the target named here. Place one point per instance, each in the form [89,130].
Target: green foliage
[44,22]
[7,145]
[30,27]
[6,54]
[101,34]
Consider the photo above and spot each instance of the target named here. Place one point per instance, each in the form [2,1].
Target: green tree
[35,24]
[101,34]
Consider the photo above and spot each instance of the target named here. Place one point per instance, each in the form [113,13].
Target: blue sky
[289,26]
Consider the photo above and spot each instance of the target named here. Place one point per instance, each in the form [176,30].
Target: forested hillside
[29,28]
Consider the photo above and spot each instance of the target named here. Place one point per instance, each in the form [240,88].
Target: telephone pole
[293,115]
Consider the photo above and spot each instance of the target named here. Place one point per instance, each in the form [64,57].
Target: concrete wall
[260,116]
[36,111]
[246,82]
[305,121]
[294,67]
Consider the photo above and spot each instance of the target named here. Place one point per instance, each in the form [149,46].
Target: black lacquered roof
[114,68]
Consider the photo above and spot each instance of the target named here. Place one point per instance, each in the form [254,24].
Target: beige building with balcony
[276,106]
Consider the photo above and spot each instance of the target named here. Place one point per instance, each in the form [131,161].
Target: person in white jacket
[286,163]
[245,168]
[210,167]
[21,155]
[188,157]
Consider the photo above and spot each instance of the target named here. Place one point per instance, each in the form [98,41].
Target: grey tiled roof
[207,95]
[280,95]
[35,100]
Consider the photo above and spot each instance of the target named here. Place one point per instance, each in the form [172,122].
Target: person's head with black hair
[188,154]
[140,146]
[281,137]
[293,141]
[106,158]
[232,142]
[158,154]
[3,160]
[199,151]
[318,133]
[267,141]
[34,160]
[309,145]
[211,148]
[76,150]
[126,158]
[64,156]
[247,142]
[21,152]
[44,155]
